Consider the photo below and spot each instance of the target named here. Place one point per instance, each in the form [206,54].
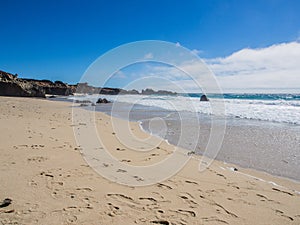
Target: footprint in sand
[164,186]
[264,198]
[284,192]
[280,213]
[72,219]
[125,160]
[187,198]
[185,212]
[158,195]
[160,211]
[233,185]
[114,210]
[214,219]
[191,182]
[221,175]
[37,159]
[148,199]
[121,199]
[215,192]
[46,174]
[220,207]
[84,189]
[138,178]
[239,200]
[164,222]
[120,196]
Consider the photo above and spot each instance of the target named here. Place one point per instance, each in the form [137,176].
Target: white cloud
[277,66]
[196,51]
[273,67]
[148,56]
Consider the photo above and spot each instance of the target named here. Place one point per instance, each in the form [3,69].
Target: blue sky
[58,40]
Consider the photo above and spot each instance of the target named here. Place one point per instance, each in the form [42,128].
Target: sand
[44,172]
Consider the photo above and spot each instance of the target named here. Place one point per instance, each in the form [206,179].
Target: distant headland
[11,85]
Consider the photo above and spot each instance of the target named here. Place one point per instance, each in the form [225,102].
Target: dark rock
[149,91]
[10,85]
[109,91]
[204,98]
[6,202]
[104,100]
[53,88]
[84,88]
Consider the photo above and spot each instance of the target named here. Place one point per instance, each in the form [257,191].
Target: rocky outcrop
[52,88]
[149,91]
[11,85]
[204,98]
[102,100]
[163,92]
[84,88]
[129,92]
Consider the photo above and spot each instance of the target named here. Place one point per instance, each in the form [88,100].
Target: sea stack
[104,100]
[204,98]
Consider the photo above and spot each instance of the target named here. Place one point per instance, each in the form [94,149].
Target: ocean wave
[280,110]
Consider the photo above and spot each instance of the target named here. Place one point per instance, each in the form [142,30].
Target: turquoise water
[286,97]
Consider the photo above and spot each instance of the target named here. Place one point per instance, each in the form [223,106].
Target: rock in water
[104,100]
[204,98]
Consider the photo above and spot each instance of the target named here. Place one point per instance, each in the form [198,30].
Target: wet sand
[265,146]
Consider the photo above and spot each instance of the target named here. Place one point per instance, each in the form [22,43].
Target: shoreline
[197,156]
[265,107]
[39,151]
[267,147]
[255,172]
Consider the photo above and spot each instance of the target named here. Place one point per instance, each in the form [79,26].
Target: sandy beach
[44,173]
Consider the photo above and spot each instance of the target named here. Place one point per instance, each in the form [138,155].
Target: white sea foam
[282,111]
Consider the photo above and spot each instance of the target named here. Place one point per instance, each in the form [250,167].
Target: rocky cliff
[87,89]
[53,88]
[11,85]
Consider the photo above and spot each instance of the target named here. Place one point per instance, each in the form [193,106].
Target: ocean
[262,130]
[280,108]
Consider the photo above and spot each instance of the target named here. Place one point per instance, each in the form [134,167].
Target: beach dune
[44,172]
